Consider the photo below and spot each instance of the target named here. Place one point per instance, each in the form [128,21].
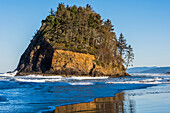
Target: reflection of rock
[98,105]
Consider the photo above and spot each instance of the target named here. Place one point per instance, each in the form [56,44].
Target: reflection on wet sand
[100,105]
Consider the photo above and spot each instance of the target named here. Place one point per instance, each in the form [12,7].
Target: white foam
[166,78]
[41,78]
[155,80]
[29,80]
[53,80]
[86,78]
[147,74]
[60,77]
[151,80]
[146,81]
[9,74]
[81,83]
[133,82]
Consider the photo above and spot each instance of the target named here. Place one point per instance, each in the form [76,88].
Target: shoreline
[64,75]
[99,105]
[78,95]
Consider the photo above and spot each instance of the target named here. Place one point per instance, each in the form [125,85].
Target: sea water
[36,93]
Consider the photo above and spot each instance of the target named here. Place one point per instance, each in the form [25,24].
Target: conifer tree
[129,56]
[122,45]
[52,12]
[82,30]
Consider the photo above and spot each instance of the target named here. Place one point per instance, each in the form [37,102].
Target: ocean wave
[78,80]
[53,80]
[135,82]
[63,78]
[155,80]
[41,76]
[29,80]
[81,83]
[147,74]
[9,74]
[87,78]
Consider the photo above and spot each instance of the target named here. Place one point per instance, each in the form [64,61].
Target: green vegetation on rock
[77,31]
[82,30]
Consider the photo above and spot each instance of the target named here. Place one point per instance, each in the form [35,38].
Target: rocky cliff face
[74,41]
[42,58]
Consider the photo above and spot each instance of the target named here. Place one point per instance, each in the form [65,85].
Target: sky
[144,23]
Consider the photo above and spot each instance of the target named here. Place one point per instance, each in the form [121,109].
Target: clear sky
[144,23]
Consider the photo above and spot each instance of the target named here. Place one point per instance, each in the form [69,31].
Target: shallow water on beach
[154,99]
[141,92]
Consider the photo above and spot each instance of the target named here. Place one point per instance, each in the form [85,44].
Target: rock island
[75,41]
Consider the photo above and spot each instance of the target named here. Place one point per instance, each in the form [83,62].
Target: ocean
[142,93]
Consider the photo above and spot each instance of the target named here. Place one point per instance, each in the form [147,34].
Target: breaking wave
[81,83]
[139,78]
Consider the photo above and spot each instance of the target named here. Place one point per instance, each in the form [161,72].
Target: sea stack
[73,41]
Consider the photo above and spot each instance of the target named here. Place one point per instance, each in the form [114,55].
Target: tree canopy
[81,29]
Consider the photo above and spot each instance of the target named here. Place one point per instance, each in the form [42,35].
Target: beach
[140,93]
[153,99]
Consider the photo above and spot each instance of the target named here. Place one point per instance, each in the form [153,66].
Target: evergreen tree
[121,45]
[129,56]
[52,12]
[82,30]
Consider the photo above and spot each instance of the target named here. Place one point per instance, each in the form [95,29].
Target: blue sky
[144,23]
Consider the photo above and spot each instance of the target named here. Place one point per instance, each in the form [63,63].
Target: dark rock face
[37,57]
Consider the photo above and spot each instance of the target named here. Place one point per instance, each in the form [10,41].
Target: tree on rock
[121,45]
[129,56]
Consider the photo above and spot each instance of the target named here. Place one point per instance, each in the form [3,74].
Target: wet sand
[98,105]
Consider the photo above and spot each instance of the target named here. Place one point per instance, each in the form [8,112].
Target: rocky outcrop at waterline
[73,41]
[43,59]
